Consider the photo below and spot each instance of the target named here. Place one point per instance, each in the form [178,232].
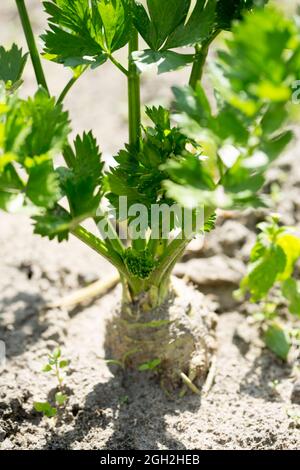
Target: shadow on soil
[26,327]
[118,408]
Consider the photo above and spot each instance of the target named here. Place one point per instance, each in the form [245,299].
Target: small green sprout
[55,365]
[151,365]
[271,283]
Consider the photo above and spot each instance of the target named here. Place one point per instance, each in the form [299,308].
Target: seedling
[56,366]
[271,283]
[195,159]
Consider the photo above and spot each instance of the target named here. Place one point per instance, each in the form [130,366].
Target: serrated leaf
[199,27]
[116,20]
[164,61]
[84,176]
[75,35]
[210,223]
[84,32]
[10,189]
[49,125]
[54,223]
[12,63]
[43,187]
[278,341]
[163,19]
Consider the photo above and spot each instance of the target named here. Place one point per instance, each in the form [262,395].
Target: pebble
[295,396]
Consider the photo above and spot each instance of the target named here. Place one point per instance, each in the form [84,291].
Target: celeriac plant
[202,156]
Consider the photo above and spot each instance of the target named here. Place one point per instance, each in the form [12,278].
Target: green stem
[174,251]
[113,239]
[66,90]
[100,247]
[34,54]
[134,98]
[118,65]
[69,85]
[198,66]
[200,59]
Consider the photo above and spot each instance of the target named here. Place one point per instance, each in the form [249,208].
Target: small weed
[55,365]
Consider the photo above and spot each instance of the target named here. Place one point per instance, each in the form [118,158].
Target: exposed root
[87,294]
[211,376]
[178,337]
[190,384]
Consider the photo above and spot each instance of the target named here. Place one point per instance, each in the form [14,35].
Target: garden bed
[248,404]
[247,407]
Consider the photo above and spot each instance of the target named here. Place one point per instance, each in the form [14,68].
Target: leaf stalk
[34,53]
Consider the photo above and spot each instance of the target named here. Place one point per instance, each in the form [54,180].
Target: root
[87,294]
[190,384]
[180,334]
[211,376]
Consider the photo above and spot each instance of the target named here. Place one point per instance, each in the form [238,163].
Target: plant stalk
[198,66]
[200,59]
[34,53]
[69,85]
[134,97]
[100,247]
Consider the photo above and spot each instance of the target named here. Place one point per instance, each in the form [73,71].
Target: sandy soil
[249,404]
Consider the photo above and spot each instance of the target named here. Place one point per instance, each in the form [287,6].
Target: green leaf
[84,177]
[56,353]
[75,36]
[256,54]
[54,223]
[175,23]
[263,272]
[45,408]
[84,31]
[274,147]
[195,104]
[116,20]
[164,61]
[278,341]
[60,398]
[47,368]
[291,291]
[49,125]
[163,19]
[210,224]
[199,27]
[43,187]
[11,187]
[291,247]
[12,63]
[63,364]
[151,365]
[230,10]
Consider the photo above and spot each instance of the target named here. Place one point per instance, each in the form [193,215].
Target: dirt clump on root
[176,337]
